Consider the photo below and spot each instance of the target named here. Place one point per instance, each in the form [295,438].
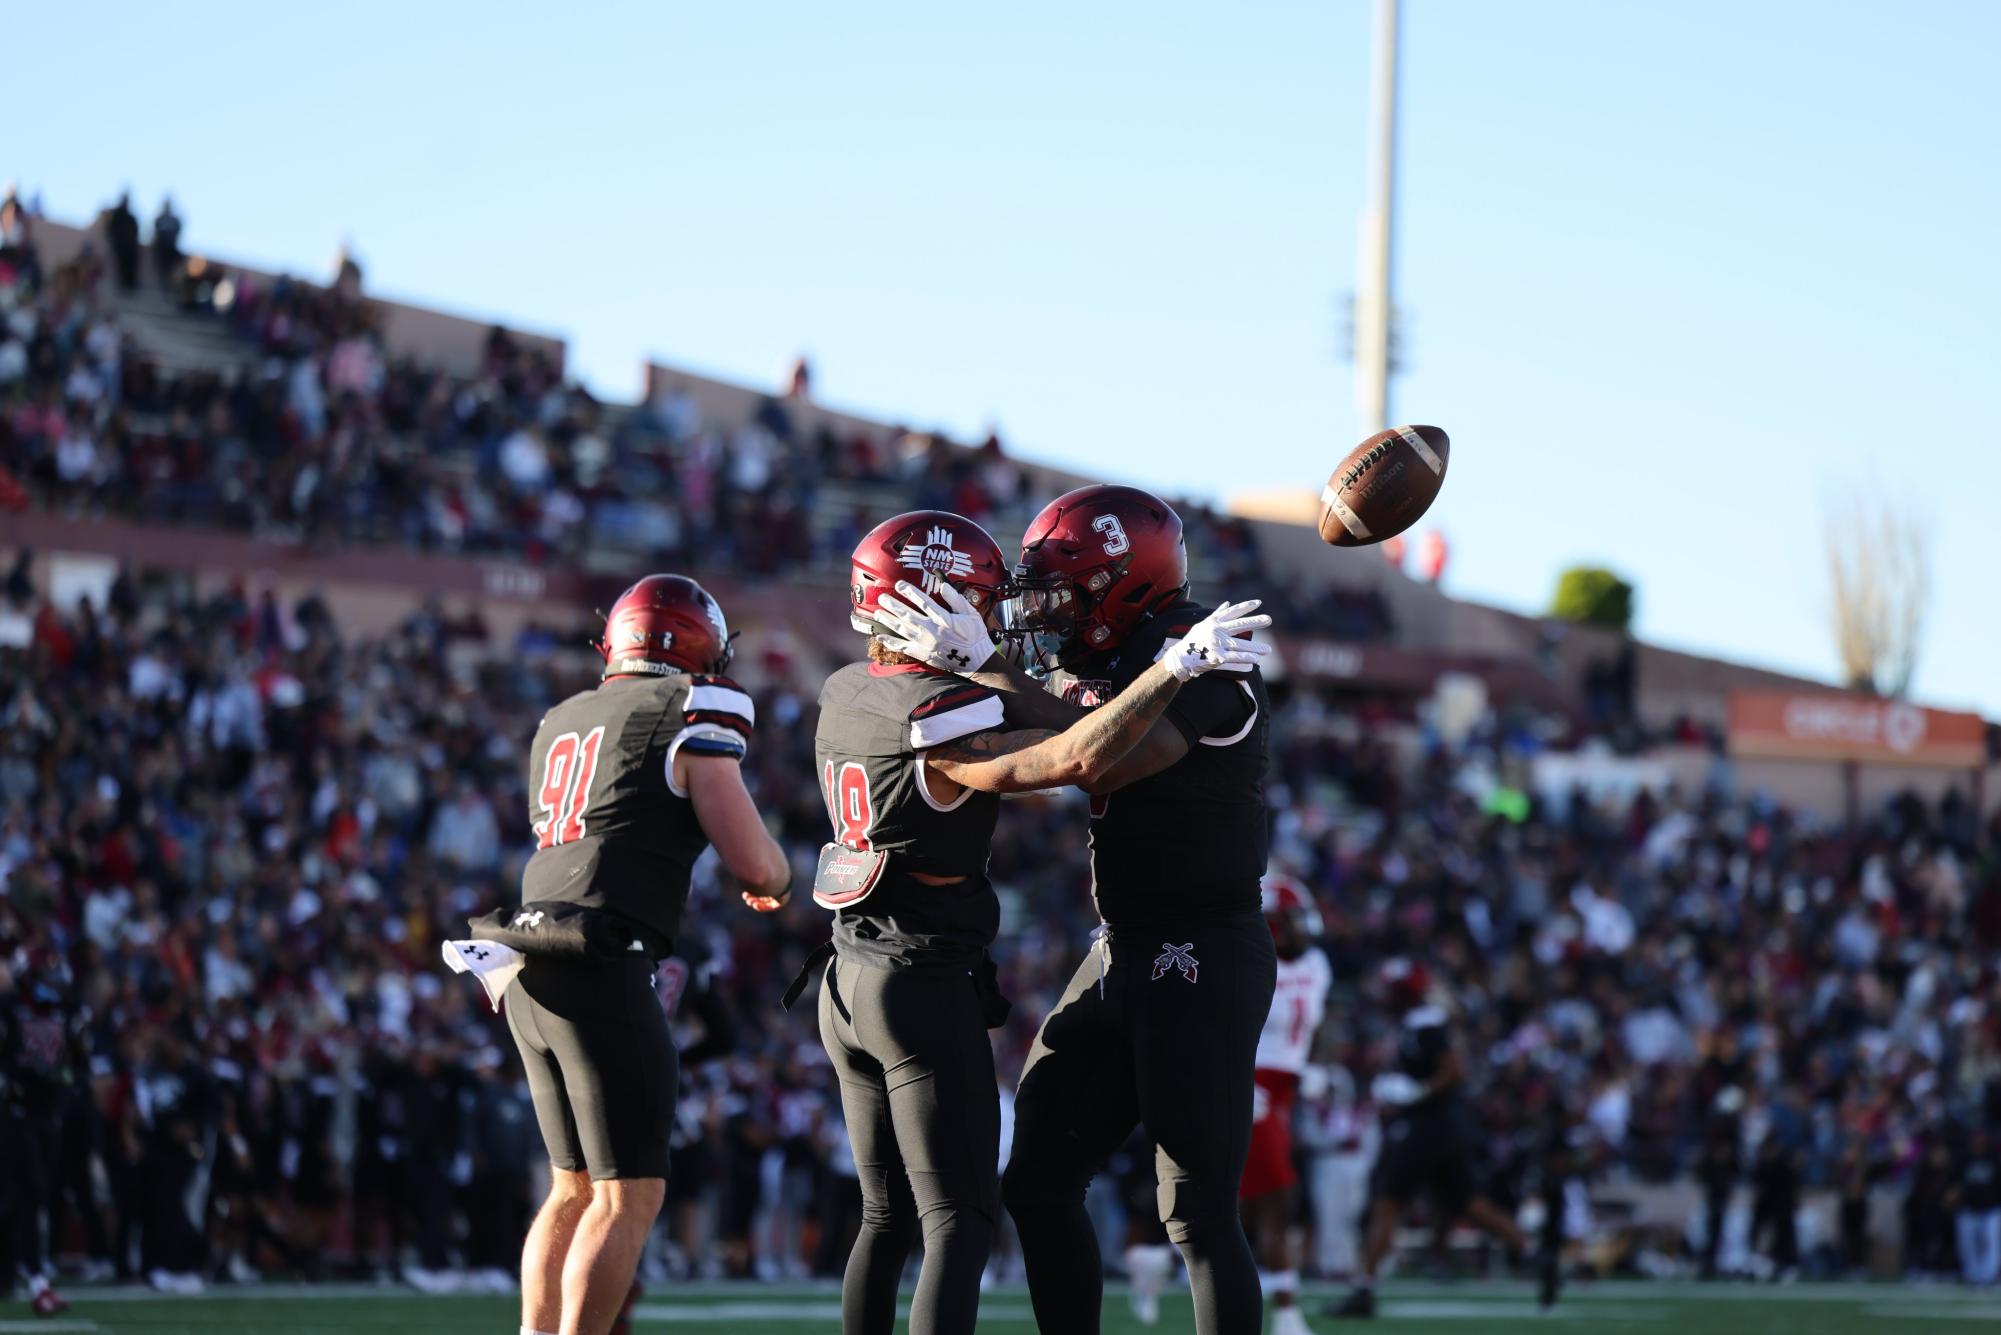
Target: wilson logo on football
[935,559]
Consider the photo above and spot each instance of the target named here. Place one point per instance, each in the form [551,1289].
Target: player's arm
[704,766]
[714,783]
[1083,753]
[916,624]
[1025,698]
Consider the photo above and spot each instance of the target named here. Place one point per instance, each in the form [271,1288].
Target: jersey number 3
[848,803]
[566,787]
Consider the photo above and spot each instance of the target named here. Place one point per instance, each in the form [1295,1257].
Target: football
[1384,485]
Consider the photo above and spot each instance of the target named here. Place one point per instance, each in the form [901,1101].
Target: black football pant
[923,1114]
[27,1155]
[600,1062]
[1159,1027]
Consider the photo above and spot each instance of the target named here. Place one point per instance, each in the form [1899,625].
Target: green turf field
[745,1309]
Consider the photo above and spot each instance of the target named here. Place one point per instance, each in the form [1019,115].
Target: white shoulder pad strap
[951,724]
[715,698]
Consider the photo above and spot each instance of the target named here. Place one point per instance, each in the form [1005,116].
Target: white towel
[493,964]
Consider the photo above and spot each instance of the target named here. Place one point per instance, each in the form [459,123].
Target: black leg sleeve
[1075,1106]
[917,1079]
[1195,1034]
[888,1215]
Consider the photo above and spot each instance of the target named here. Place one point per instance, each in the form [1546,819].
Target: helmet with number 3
[1094,564]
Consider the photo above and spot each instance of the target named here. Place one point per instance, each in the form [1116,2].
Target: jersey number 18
[849,804]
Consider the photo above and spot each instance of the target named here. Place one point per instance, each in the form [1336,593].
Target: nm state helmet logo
[935,559]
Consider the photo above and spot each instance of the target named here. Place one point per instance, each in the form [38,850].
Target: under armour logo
[527,919]
[1175,957]
[961,659]
[478,952]
[1201,651]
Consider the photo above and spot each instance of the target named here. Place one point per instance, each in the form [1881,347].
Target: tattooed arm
[1083,753]
[1026,698]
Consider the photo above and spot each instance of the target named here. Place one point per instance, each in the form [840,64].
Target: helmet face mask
[1041,615]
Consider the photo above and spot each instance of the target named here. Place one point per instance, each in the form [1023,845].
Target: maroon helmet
[1405,982]
[1094,564]
[665,624]
[927,548]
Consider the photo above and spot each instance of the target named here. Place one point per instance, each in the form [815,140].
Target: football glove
[1212,643]
[947,632]
[1394,1089]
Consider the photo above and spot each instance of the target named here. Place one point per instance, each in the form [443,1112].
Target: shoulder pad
[720,701]
[957,711]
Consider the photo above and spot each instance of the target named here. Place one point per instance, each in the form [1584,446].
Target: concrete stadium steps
[180,341]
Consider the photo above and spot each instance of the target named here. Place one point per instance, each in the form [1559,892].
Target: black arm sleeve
[1215,705]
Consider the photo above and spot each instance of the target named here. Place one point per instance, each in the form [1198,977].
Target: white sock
[1278,1281]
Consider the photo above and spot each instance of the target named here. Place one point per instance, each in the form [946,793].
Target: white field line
[689,1313]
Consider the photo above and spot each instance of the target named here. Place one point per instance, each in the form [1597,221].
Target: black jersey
[611,830]
[1192,838]
[1423,1042]
[876,721]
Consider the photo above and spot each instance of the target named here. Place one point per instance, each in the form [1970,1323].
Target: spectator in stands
[167,247]
[121,235]
[1854,1180]
[1775,1205]
[20,262]
[464,835]
[1928,1223]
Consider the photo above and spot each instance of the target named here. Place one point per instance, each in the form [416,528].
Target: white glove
[1394,1089]
[952,636]
[1211,643]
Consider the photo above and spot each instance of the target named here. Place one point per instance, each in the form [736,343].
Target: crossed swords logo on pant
[1175,957]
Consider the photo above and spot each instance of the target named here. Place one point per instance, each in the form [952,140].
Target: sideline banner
[1789,726]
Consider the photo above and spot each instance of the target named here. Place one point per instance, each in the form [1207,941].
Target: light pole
[1373,298]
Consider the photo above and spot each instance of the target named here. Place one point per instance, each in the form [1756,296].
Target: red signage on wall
[1786,725]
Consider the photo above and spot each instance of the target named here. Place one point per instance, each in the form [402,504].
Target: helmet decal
[929,548]
[936,559]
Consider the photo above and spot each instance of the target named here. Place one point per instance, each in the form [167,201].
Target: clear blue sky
[1675,274]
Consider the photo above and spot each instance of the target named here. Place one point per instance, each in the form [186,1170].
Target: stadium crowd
[232,838]
[323,436]
[231,841]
